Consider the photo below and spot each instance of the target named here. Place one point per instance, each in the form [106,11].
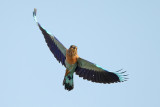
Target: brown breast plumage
[71,56]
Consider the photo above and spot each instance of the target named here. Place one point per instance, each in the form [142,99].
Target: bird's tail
[68,81]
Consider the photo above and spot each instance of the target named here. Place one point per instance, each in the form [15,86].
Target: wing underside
[55,46]
[94,73]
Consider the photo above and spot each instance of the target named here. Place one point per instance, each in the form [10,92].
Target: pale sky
[113,34]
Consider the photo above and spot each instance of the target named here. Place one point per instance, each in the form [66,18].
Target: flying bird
[75,64]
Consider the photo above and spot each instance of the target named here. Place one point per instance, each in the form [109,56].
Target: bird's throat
[71,52]
[71,56]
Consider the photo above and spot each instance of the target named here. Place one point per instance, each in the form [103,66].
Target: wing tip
[34,15]
[35,11]
[121,75]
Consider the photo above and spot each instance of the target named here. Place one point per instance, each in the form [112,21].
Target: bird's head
[73,48]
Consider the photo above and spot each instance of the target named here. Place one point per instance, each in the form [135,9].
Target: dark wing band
[94,73]
[56,47]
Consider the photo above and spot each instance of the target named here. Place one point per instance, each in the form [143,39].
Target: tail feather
[68,82]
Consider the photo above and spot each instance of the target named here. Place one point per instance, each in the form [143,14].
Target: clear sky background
[114,34]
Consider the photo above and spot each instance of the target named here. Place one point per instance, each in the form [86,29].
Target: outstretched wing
[94,73]
[56,47]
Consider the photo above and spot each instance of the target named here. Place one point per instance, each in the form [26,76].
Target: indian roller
[75,64]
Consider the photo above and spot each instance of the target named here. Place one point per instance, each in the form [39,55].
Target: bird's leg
[67,72]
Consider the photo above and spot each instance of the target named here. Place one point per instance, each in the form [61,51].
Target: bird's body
[73,63]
